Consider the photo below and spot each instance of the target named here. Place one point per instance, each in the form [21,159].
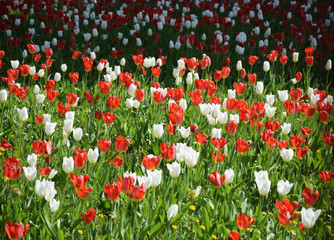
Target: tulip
[113,190]
[174,169]
[23,114]
[50,128]
[266,66]
[172,211]
[30,173]
[54,205]
[68,126]
[53,173]
[310,197]
[155,177]
[32,159]
[128,181]
[262,181]
[137,193]
[259,88]
[286,127]
[151,162]
[309,217]
[216,179]
[83,192]
[50,192]
[191,157]
[185,132]
[3,95]
[328,65]
[158,130]
[68,164]
[93,155]
[239,65]
[326,176]
[229,173]
[283,95]
[283,188]
[295,56]
[16,230]
[89,216]
[244,221]
[270,99]
[146,180]
[77,134]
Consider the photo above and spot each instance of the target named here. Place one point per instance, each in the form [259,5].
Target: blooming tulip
[155,177]
[158,130]
[23,114]
[89,216]
[30,173]
[93,155]
[262,181]
[16,230]
[229,173]
[54,205]
[309,217]
[174,169]
[283,188]
[172,211]
[68,164]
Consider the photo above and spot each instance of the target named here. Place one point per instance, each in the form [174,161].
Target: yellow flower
[249,229]
[292,231]
[271,213]
[174,226]
[101,216]
[0,153]
[330,227]
[264,213]
[257,198]
[197,220]
[294,222]
[192,208]
[214,236]
[202,227]
[80,231]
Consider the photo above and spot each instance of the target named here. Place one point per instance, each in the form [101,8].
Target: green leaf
[178,216]
[49,227]
[206,218]
[60,235]
[143,232]
[156,228]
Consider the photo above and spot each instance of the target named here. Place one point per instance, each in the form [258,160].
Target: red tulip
[121,144]
[72,98]
[306,131]
[324,117]
[171,129]
[310,197]
[326,176]
[74,77]
[175,94]
[234,236]
[90,98]
[196,97]
[219,143]
[63,109]
[283,59]
[140,95]
[39,119]
[296,141]
[273,126]
[127,183]
[113,190]
[251,78]
[309,61]
[244,221]
[309,51]
[231,127]
[268,134]
[168,152]
[158,97]
[104,145]
[231,104]
[156,71]
[113,102]
[89,216]
[290,107]
[79,181]
[48,52]
[98,115]
[16,230]
[298,76]
[45,171]
[176,114]
[83,192]
[11,172]
[258,125]
[104,87]
[201,138]
[245,115]
[151,162]
[217,75]
[50,85]
[286,211]
[282,144]
[219,157]
[117,162]
[252,60]
[301,152]
[137,193]
[239,88]
[242,146]
[109,118]
[80,157]
[216,179]
[4,146]
[51,95]
[42,147]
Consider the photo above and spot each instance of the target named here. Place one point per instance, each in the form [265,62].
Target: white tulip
[93,155]
[174,169]
[54,205]
[50,193]
[270,99]
[229,173]
[309,217]
[146,180]
[40,98]
[185,132]
[68,126]
[266,66]
[259,88]
[158,130]
[23,114]
[283,188]
[15,64]
[172,211]
[222,117]
[191,157]
[270,111]
[32,159]
[77,134]
[132,89]
[57,77]
[123,61]
[155,177]
[239,65]
[47,118]
[231,93]
[3,95]
[286,154]
[295,56]
[50,128]
[68,164]
[329,65]
[216,133]
[286,127]
[63,67]
[262,181]
[40,188]
[180,64]
[129,103]
[283,95]
[53,173]
[183,104]
[30,173]
[69,115]
[36,89]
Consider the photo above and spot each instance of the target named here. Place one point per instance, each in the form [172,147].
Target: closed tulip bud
[262,181]
[40,98]
[63,67]
[259,88]
[93,155]
[329,65]
[286,127]
[309,217]
[183,104]
[229,173]
[158,130]
[295,56]
[122,62]
[3,96]
[32,159]
[283,188]
[40,188]
[36,89]
[266,66]
[270,99]
[32,70]
[23,114]
[24,53]
[41,73]
[53,173]
[174,169]
[50,193]
[180,64]
[283,95]
[185,132]
[216,133]
[155,177]
[239,65]
[68,126]
[172,211]
[191,157]
[68,164]
[57,77]
[286,154]
[177,45]
[117,70]
[77,134]
[54,205]
[50,128]
[69,116]
[171,44]
[30,173]
[132,89]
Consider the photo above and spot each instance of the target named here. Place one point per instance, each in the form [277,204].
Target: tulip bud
[259,88]
[266,66]
[63,67]
[270,99]
[155,177]
[329,65]
[77,134]
[262,181]
[30,173]
[36,89]
[54,205]
[129,103]
[239,65]
[93,155]
[229,173]
[57,77]
[3,96]
[295,56]
[283,95]
[174,169]
[231,93]
[68,164]
[122,62]
[180,64]
[286,127]
[32,70]
[132,89]
[171,44]
[158,130]
[40,98]
[68,126]
[24,53]
[23,114]
[50,193]
[172,211]
[283,188]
